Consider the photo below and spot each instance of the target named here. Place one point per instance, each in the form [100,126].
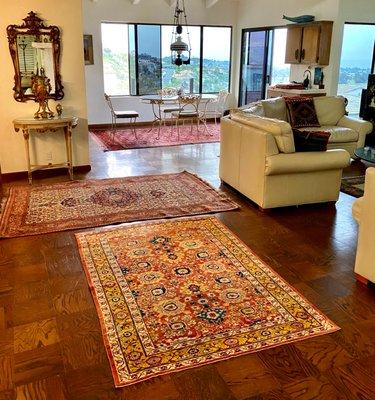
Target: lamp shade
[179,46]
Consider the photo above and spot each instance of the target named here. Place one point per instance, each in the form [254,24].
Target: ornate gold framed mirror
[33,46]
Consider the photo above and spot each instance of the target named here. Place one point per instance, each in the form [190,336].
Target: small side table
[366,153]
[29,125]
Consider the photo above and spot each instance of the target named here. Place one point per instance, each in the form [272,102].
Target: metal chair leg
[113,129]
[134,127]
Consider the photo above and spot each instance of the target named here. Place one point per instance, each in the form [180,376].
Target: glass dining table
[157,102]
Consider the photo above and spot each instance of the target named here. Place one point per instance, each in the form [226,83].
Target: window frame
[136,24]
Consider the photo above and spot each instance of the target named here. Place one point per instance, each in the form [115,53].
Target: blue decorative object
[300,19]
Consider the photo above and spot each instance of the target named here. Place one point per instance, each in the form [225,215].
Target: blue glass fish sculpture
[301,19]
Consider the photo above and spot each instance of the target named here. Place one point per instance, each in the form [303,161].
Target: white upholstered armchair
[364,213]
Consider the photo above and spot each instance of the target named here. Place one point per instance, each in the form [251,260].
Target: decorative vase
[59,109]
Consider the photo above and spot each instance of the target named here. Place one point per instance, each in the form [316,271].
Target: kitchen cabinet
[309,44]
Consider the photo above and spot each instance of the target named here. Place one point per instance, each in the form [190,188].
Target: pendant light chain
[178,47]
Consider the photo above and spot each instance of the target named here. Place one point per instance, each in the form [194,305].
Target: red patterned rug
[178,294]
[125,139]
[32,210]
[353,185]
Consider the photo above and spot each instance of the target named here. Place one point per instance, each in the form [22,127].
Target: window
[137,59]
[216,59]
[356,61]
[280,72]
[186,76]
[149,60]
[115,58]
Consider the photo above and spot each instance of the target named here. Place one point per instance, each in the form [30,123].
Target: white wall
[67,15]
[223,12]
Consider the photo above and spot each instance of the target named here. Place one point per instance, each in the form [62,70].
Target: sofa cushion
[329,109]
[275,108]
[254,108]
[280,130]
[310,140]
[339,134]
[301,112]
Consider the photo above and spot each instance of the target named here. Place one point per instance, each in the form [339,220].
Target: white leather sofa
[258,159]
[364,214]
[346,133]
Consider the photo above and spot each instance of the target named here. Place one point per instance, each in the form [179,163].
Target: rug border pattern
[350,190]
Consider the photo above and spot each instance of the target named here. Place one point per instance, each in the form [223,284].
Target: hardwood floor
[50,342]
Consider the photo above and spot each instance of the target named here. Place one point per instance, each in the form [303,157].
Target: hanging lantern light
[178,46]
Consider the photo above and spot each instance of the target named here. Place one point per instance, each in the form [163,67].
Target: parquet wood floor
[50,342]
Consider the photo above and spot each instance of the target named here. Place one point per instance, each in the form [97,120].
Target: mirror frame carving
[33,25]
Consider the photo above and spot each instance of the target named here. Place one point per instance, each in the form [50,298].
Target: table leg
[157,116]
[69,155]
[26,137]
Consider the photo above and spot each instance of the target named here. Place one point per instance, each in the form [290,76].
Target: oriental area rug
[353,185]
[182,293]
[124,138]
[32,210]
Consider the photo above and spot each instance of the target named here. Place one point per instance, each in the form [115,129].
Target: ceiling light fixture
[178,46]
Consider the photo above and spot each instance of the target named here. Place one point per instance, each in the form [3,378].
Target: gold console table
[29,125]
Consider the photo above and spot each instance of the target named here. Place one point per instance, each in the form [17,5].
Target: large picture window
[137,59]
[357,57]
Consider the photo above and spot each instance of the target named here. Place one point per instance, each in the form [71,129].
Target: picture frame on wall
[88,49]
[318,75]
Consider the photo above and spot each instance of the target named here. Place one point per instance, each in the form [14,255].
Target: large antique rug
[32,210]
[124,138]
[353,185]
[178,294]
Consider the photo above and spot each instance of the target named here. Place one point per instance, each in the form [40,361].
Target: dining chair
[168,92]
[115,114]
[189,111]
[218,105]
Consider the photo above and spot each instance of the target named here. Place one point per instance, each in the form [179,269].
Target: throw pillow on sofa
[301,112]
[330,109]
[275,108]
[310,140]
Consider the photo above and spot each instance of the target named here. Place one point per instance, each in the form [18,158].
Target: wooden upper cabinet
[293,45]
[309,43]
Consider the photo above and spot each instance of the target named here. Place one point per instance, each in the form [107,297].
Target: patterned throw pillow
[310,140]
[301,112]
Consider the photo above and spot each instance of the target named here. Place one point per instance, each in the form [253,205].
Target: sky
[358,45]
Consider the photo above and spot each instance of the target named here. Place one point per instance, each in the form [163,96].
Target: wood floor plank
[37,364]
[35,335]
[247,376]
[287,364]
[6,372]
[312,388]
[202,383]
[46,389]
[324,352]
